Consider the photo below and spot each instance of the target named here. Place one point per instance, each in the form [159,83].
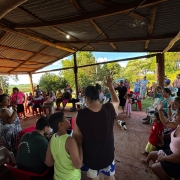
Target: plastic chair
[24,175]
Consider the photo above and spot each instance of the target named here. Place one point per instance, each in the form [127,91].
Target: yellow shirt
[59,95]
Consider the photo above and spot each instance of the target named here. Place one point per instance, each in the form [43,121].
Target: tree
[52,82]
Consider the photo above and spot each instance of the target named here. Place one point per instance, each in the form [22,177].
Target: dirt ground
[128,146]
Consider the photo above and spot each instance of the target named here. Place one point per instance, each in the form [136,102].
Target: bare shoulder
[70,141]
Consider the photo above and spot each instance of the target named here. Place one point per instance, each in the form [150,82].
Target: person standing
[143,88]
[18,98]
[122,90]
[95,125]
[176,84]
[136,86]
[127,85]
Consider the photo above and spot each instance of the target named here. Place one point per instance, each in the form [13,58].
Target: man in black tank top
[95,124]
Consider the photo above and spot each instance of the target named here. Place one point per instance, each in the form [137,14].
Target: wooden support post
[2,85]
[76,74]
[31,83]
[161,70]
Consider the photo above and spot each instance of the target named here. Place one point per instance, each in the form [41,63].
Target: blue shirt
[143,83]
[136,86]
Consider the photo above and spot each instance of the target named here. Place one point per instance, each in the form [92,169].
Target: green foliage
[52,82]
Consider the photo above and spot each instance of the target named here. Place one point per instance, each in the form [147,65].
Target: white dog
[122,124]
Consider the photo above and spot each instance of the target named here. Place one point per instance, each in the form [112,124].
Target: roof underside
[33,33]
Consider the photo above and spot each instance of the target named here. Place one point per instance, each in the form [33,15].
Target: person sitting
[165,100]
[66,98]
[151,90]
[167,162]
[32,148]
[59,97]
[9,124]
[156,137]
[49,103]
[37,103]
[63,151]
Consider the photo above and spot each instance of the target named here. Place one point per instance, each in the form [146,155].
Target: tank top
[175,142]
[63,166]
[98,137]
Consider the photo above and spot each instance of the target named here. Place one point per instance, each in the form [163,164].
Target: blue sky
[100,57]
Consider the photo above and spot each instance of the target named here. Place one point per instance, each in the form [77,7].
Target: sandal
[145,163]
[145,153]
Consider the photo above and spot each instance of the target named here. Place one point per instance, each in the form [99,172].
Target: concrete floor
[128,146]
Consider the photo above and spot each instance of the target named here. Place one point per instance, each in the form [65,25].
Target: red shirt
[156,130]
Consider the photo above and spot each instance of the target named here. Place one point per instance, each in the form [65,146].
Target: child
[63,151]
[156,138]
[128,105]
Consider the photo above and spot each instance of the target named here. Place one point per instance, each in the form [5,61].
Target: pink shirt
[18,98]
[175,143]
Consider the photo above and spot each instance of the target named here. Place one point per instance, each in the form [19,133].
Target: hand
[108,82]
[160,107]
[160,144]
[160,158]
[14,107]
[170,102]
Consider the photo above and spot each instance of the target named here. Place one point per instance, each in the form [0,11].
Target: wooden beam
[33,56]
[52,27]
[106,62]
[110,4]
[7,67]
[8,5]
[77,6]
[35,38]
[98,29]
[76,75]
[24,51]
[19,61]
[31,83]
[159,37]
[94,14]
[152,17]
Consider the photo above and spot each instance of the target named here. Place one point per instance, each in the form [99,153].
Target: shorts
[172,169]
[108,171]
[20,108]
[150,147]
[59,100]
[142,93]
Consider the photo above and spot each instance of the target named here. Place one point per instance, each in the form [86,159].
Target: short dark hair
[54,120]
[98,86]
[177,99]
[42,123]
[167,90]
[157,115]
[92,93]
[15,88]
[2,97]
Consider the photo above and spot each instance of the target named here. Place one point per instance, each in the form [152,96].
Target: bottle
[12,158]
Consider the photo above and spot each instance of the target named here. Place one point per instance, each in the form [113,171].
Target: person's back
[63,163]
[31,153]
[97,132]
[32,148]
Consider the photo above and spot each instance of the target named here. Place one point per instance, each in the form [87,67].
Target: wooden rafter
[94,14]
[77,6]
[152,17]
[129,39]
[35,38]
[33,56]
[25,51]
[19,61]
[110,4]
[52,27]
[13,67]
[98,29]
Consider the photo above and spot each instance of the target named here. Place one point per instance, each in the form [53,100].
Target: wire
[112,25]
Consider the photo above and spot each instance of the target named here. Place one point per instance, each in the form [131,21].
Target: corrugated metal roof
[129,35]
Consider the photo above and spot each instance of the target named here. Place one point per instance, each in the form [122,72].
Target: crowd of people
[90,149]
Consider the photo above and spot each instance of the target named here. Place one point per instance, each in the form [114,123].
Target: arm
[7,117]
[169,109]
[161,140]
[49,160]
[174,158]
[75,151]
[114,98]
[164,119]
